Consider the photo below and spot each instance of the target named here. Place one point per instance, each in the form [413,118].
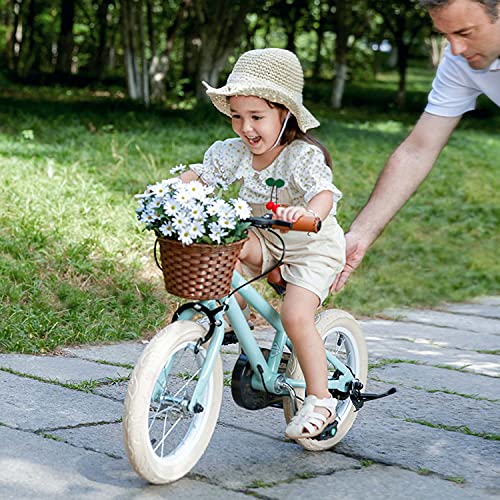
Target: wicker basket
[198,271]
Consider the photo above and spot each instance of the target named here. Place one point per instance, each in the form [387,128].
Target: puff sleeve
[220,163]
[311,174]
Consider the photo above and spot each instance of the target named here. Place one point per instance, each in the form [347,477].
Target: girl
[275,157]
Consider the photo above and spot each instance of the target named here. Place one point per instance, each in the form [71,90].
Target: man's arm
[405,170]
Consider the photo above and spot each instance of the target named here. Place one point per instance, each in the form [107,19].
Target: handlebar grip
[307,223]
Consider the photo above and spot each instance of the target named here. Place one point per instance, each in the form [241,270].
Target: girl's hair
[292,133]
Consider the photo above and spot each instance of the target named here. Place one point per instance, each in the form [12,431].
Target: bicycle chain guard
[244,394]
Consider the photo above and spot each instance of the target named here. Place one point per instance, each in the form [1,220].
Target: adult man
[470,67]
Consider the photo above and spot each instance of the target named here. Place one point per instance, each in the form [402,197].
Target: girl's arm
[189,176]
[320,205]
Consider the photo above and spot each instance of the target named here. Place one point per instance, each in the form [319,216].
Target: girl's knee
[293,319]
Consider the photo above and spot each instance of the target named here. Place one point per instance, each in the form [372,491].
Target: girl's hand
[290,214]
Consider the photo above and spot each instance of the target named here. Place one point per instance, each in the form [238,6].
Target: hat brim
[272,93]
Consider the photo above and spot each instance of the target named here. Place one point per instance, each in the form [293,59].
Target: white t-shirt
[457,86]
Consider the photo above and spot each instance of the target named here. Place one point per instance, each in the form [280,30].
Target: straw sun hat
[272,74]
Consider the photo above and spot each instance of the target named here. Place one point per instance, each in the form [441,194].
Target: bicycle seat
[275,279]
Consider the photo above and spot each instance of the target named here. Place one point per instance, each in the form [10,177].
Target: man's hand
[355,252]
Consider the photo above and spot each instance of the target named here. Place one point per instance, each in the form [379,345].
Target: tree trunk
[338,85]
[341,49]
[100,59]
[65,42]
[13,42]
[220,27]
[402,67]
[28,59]
[437,45]
[130,50]
[319,45]
[144,73]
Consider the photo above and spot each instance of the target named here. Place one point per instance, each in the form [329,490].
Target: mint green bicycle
[175,391]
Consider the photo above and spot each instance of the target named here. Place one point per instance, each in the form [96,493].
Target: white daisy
[197,213]
[178,169]
[242,208]
[185,236]
[184,197]
[171,206]
[196,230]
[181,221]
[196,189]
[226,211]
[167,229]
[215,207]
[216,232]
[227,223]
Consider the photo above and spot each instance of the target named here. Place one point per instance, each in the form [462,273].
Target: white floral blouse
[300,165]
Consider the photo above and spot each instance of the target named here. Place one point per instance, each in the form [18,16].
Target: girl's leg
[297,313]
[251,256]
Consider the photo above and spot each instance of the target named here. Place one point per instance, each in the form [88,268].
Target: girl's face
[257,123]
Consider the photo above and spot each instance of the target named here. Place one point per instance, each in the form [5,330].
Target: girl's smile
[258,124]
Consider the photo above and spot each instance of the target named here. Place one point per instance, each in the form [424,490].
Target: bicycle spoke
[165,436]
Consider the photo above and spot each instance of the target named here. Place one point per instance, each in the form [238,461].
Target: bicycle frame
[265,371]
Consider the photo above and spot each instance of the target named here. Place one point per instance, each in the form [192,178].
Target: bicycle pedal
[328,432]
[229,338]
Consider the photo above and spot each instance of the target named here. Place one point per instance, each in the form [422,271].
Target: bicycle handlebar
[307,223]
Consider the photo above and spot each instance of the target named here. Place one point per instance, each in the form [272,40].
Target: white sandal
[307,423]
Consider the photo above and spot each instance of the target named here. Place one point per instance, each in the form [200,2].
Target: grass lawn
[75,266]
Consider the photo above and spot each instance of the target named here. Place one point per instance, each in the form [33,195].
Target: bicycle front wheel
[163,438]
[343,337]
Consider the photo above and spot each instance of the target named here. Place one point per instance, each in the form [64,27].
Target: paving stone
[470,361]
[378,436]
[432,378]
[429,334]
[123,353]
[43,469]
[113,391]
[487,300]
[440,409]
[236,459]
[376,482]
[102,438]
[268,422]
[450,320]
[488,311]
[29,404]
[60,368]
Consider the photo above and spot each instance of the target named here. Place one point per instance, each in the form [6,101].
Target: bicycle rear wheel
[342,336]
[162,438]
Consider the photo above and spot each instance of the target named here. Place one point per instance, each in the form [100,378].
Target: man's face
[470,30]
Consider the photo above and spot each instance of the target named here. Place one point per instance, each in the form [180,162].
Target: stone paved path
[438,436]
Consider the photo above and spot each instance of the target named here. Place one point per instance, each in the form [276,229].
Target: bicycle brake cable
[265,273]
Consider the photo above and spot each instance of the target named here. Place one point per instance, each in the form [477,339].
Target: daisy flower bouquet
[200,235]
[191,213]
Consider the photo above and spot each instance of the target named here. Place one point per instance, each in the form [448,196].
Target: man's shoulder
[453,65]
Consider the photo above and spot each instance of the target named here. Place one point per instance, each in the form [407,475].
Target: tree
[136,66]
[403,19]
[348,22]
[219,27]
[65,42]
